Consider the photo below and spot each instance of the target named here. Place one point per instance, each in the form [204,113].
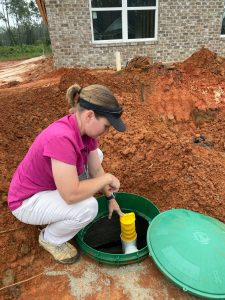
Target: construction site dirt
[173,153]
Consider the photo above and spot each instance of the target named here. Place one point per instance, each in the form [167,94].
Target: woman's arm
[96,170]
[72,190]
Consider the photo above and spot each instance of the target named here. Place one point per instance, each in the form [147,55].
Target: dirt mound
[173,152]
[55,73]
[163,99]
[13,73]
[205,59]
[140,62]
[174,91]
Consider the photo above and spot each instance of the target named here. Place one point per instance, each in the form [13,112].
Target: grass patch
[23,52]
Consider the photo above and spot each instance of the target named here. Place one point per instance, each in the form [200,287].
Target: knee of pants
[88,211]
[92,208]
[86,215]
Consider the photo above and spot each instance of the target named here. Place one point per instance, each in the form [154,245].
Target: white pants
[63,220]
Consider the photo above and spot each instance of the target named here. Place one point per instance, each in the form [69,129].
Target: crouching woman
[55,183]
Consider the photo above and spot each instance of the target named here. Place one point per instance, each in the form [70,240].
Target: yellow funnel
[127,223]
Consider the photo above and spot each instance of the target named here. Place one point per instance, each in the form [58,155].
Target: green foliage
[23,52]
[21,23]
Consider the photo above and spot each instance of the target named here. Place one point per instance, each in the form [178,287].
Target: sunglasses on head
[115,112]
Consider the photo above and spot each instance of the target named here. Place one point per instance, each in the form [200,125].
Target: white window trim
[124,9]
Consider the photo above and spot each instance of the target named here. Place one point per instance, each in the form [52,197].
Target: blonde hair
[95,93]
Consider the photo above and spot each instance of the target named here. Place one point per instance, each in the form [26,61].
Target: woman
[48,187]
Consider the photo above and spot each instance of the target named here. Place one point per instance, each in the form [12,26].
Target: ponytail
[71,94]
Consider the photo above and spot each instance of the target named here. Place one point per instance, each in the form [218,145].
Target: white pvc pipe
[129,247]
[118,61]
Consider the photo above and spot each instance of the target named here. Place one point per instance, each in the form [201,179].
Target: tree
[20,11]
[4,16]
[22,23]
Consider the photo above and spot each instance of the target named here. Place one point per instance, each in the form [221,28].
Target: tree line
[20,23]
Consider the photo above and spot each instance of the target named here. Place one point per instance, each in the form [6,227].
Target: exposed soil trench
[173,152]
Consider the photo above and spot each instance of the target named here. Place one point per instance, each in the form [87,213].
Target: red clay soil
[173,151]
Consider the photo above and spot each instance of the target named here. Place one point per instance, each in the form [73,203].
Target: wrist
[109,178]
[110,197]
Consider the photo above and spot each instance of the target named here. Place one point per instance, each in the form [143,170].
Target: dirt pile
[12,73]
[174,91]
[173,152]
[139,62]
[206,61]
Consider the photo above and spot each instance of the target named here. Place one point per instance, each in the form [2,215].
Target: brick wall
[183,28]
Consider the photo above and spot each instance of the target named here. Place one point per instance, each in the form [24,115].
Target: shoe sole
[69,260]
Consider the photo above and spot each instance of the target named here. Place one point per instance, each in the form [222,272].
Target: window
[123,20]
[223,23]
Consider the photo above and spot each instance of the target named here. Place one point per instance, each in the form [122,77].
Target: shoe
[64,254]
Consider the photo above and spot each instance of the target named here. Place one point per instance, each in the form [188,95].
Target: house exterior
[88,33]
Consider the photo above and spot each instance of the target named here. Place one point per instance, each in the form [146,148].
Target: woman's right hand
[114,183]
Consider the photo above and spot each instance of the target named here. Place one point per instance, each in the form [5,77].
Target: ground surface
[173,153]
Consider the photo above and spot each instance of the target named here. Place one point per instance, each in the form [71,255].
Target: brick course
[183,28]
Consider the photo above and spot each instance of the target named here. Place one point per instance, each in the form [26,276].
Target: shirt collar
[81,141]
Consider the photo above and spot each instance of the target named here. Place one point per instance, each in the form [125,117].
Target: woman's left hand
[114,206]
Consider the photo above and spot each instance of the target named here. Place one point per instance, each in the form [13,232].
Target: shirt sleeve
[93,145]
[60,148]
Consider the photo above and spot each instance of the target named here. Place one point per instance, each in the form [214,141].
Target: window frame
[124,9]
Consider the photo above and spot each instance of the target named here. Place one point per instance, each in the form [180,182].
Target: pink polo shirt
[62,141]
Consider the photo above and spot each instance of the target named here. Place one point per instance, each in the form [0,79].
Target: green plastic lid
[189,248]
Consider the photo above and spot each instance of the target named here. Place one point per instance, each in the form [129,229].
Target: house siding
[183,28]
